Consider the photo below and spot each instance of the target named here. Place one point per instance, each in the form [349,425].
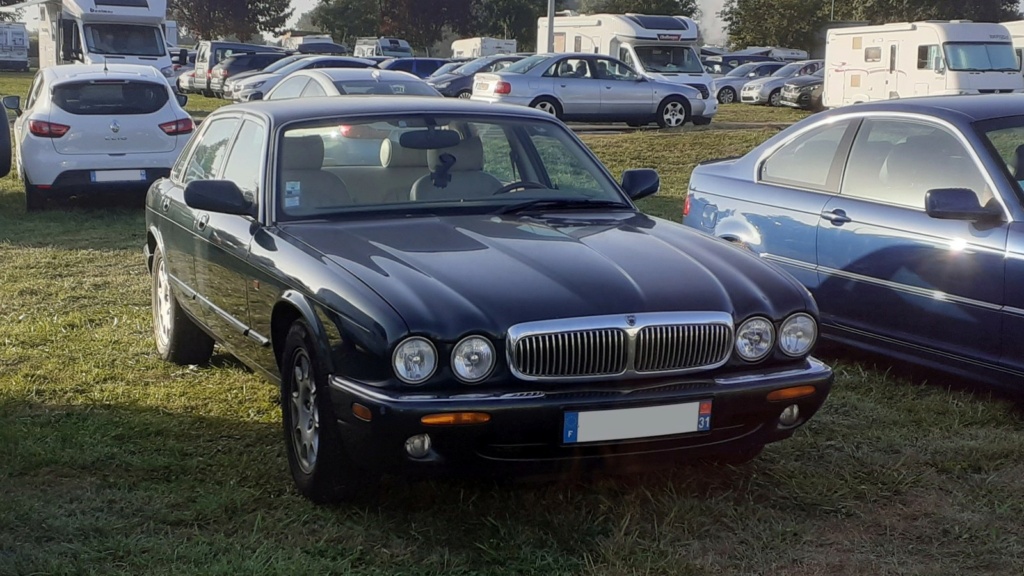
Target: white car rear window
[110,97]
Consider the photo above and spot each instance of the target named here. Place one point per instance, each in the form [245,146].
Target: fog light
[788,417]
[418,446]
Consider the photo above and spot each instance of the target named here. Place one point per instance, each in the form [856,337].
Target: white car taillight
[178,127]
[47,129]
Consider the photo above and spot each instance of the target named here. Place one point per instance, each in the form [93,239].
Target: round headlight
[754,339]
[415,360]
[473,359]
[798,334]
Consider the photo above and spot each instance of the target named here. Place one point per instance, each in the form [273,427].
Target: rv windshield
[124,40]
[980,56]
[669,59]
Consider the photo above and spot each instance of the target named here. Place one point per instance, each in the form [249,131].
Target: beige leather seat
[402,168]
[463,179]
[305,186]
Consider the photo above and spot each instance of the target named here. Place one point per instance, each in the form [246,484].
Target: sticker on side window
[292,193]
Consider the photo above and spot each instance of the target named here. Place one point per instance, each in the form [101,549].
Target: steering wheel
[524,184]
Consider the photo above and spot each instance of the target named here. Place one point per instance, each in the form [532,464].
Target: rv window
[125,40]
[873,54]
[669,59]
[577,45]
[1020,56]
[927,57]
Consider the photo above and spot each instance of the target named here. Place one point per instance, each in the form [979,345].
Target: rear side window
[86,98]
[807,160]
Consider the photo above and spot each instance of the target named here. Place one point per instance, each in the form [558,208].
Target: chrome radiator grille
[583,353]
[613,346]
[680,347]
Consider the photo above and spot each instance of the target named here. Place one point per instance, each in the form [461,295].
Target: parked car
[186,82]
[716,69]
[900,217]
[450,65]
[728,87]
[459,82]
[239,63]
[590,87]
[768,90]
[210,53]
[254,87]
[322,48]
[737,60]
[420,67]
[804,91]
[509,309]
[349,82]
[231,83]
[90,128]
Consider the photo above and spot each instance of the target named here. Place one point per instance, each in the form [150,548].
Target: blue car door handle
[837,217]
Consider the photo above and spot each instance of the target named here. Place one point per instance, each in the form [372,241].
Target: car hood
[443,78]
[735,82]
[769,82]
[446,276]
[806,80]
[262,77]
[244,75]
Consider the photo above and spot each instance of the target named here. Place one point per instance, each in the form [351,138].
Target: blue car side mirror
[957,204]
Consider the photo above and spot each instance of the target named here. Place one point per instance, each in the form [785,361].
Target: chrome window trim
[874,115]
[630,325]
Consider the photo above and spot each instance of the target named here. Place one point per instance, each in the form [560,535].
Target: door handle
[202,221]
[562,85]
[166,205]
[837,217]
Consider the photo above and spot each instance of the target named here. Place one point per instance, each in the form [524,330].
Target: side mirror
[221,196]
[183,56]
[956,204]
[13,103]
[182,99]
[752,75]
[939,66]
[640,183]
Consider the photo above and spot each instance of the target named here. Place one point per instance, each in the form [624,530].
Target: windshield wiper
[559,204]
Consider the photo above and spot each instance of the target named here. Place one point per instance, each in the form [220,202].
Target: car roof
[970,107]
[285,111]
[318,57]
[361,74]
[99,71]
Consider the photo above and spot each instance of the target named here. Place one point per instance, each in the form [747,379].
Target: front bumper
[710,107]
[754,96]
[796,100]
[525,432]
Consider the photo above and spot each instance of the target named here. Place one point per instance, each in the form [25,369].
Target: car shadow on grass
[105,222]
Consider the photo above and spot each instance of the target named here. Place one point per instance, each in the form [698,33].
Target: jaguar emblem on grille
[631,320]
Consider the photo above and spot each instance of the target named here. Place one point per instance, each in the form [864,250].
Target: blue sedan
[903,218]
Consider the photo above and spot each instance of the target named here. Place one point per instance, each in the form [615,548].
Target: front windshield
[527,64]
[473,66]
[124,40]
[669,59]
[980,56]
[446,69]
[287,69]
[386,88]
[1006,138]
[428,162]
[283,62]
[788,70]
[742,70]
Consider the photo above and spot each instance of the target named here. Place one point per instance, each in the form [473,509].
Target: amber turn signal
[361,412]
[791,393]
[455,418]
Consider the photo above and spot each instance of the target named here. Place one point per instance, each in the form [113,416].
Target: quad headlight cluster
[415,360]
[756,337]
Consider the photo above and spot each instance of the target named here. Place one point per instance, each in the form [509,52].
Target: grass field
[113,462]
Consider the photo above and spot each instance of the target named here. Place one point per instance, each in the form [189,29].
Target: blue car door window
[807,161]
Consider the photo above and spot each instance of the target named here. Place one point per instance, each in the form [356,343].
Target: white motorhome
[293,41]
[1016,29]
[907,59]
[662,47]
[13,46]
[482,46]
[97,31]
[387,47]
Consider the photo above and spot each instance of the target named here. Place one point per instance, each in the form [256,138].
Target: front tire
[178,338]
[726,95]
[775,98]
[549,105]
[673,112]
[321,470]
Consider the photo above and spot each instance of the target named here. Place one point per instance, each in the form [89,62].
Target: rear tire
[464,95]
[178,339]
[549,105]
[321,469]
[726,95]
[34,199]
[673,112]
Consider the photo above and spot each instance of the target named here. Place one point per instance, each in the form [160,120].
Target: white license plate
[626,423]
[118,175]
[481,86]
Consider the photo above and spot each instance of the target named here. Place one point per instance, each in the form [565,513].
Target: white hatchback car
[96,128]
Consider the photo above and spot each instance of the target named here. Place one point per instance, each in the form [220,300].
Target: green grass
[113,462]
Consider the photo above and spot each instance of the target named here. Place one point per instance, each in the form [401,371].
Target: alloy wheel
[674,114]
[305,416]
[163,309]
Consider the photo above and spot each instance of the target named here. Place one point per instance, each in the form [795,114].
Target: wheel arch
[551,97]
[154,240]
[292,306]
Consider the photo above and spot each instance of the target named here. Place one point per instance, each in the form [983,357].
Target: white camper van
[98,31]
[909,59]
[483,46]
[1016,29]
[294,41]
[387,47]
[662,47]
[13,46]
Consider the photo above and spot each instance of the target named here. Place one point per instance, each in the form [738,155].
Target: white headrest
[394,155]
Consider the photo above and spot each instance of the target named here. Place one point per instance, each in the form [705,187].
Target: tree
[261,16]
[210,19]
[666,7]
[343,19]
[787,23]
[880,11]
[305,23]
[511,19]
[422,22]
[12,16]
